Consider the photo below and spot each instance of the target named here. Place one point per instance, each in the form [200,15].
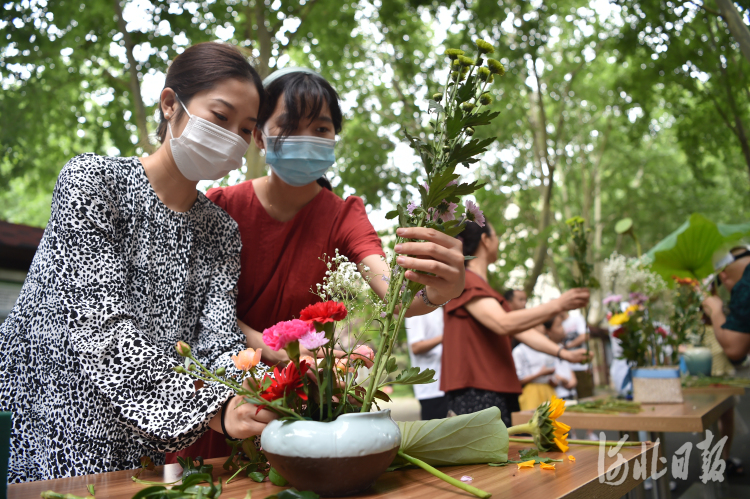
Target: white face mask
[205,151]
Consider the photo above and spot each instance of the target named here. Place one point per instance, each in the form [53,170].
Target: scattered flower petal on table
[467,478]
[546,466]
[572,459]
[526,464]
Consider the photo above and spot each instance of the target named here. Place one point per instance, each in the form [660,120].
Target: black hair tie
[223,413]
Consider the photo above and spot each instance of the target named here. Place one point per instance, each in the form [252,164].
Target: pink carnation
[312,340]
[283,333]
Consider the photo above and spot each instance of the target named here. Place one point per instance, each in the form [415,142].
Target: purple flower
[612,299]
[453,182]
[638,298]
[474,214]
[383,314]
[411,207]
[426,187]
[467,478]
[313,340]
[420,293]
[385,278]
[445,211]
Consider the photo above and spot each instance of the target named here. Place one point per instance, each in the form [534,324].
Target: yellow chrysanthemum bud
[437,97]
[179,369]
[485,99]
[483,74]
[221,371]
[479,61]
[455,64]
[484,47]
[453,53]
[465,61]
[469,131]
[491,79]
[464,70]
[455,76]
[446,148]
[496,67]
[468,106]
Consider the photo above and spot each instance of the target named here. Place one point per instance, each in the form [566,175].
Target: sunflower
[548,433]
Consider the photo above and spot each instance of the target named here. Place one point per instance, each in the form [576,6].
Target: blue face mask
[300,160]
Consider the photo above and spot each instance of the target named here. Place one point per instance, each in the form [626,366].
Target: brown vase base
[332,476]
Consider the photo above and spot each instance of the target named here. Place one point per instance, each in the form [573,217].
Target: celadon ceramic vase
[698,361]
[339,458]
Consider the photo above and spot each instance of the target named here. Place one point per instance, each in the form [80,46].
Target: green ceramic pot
[698,361]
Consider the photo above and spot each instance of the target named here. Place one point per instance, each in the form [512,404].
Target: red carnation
[662,331]
[618,332]
[328,311]
[286,381]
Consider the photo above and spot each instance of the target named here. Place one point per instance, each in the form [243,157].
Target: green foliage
[276,478]
[475,438]
[413,376]
[688,251]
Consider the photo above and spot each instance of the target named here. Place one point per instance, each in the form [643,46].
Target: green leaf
[256,476]
[413,376]
[90,488]
[431,104]
[382,396]
[476,438]
[480,119]
[276,478]
[466,152]
[391,215]
[453,125]
[391,365]
[526,454]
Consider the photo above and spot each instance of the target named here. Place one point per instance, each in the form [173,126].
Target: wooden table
[696,414]
[729,389]
[579,479]
[699,412]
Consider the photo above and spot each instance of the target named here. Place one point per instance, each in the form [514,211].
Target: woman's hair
[305,94]
[472,236]
[325,183]
[200,68]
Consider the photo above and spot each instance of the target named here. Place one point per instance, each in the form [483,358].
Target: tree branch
[135,83]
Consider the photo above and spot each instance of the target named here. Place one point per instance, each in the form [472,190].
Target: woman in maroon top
[477,368]
[287,221]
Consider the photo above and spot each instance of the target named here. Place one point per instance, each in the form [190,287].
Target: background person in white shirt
[540,373]
[425,339]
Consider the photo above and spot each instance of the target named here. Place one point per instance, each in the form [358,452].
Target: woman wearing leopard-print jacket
[133,260]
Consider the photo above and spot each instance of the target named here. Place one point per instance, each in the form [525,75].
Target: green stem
[146,482]
[522,428]
[456,483]
[579,442]
[238,472]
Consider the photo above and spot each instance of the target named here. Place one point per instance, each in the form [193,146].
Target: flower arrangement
[639,306]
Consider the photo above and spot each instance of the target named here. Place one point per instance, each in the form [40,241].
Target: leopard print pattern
[88,350]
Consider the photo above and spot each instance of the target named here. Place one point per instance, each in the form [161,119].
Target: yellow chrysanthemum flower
[484,47]
[619,319]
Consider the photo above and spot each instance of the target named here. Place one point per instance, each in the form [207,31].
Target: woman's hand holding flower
[440,255]
[242,421]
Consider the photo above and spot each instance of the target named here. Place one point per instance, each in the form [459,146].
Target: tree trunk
[736,25]
[135,83]
[540,254]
